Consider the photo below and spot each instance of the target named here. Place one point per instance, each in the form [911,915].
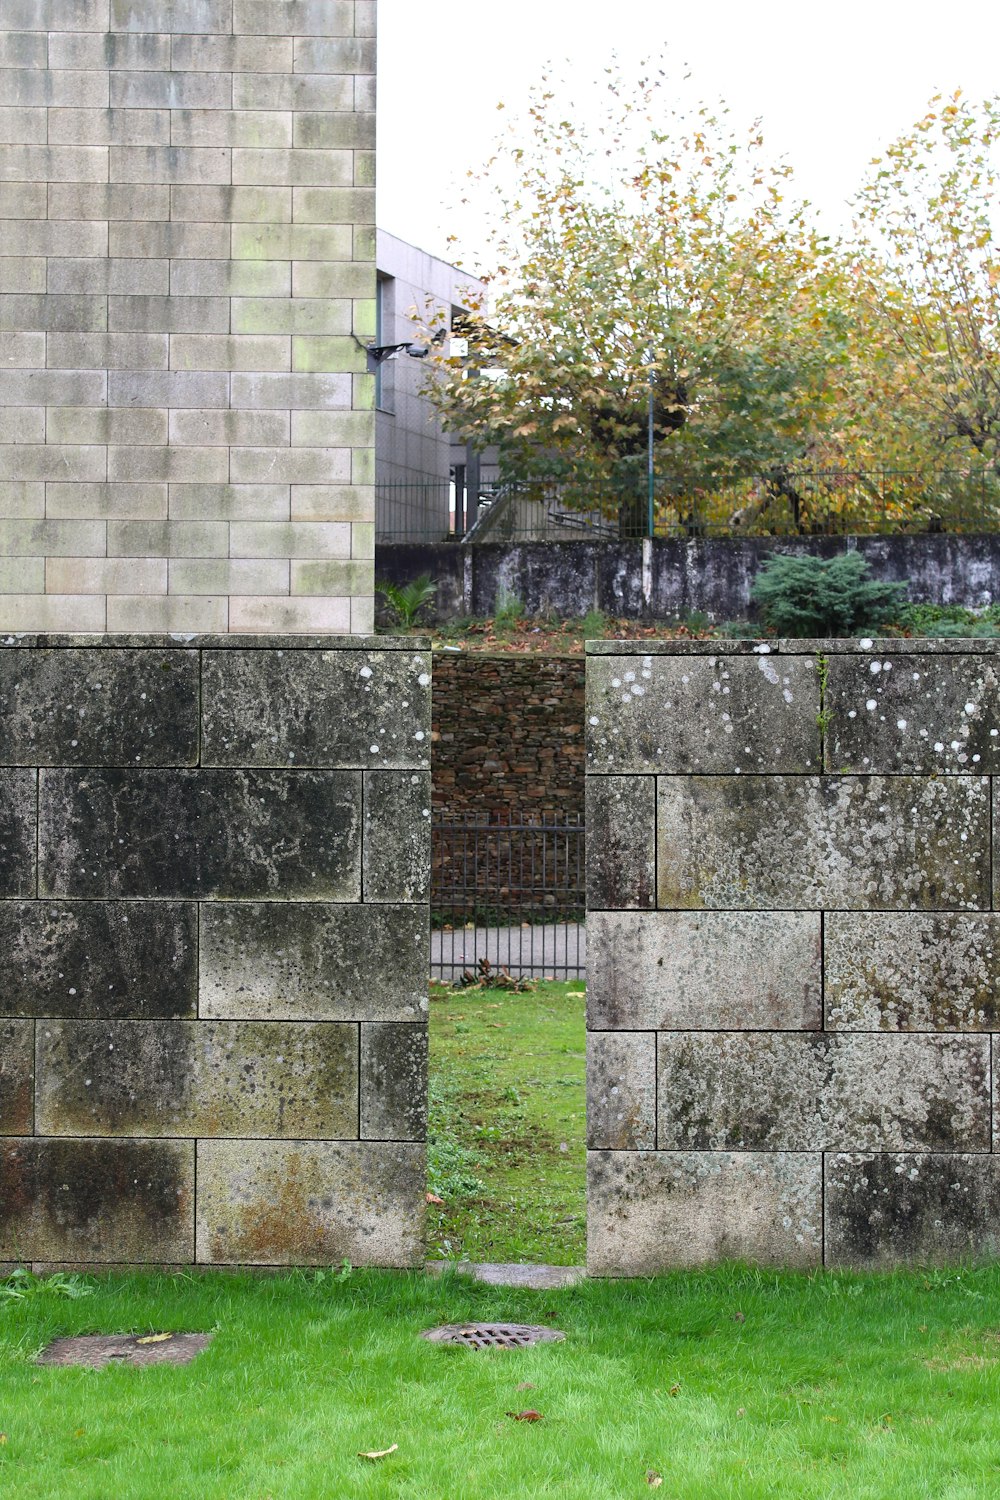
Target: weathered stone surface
[397,836]
[18,794]
[197,1078]
[786,1091]
[911,971]
[804,841]
[650,1212]
[895,1209]
[98,958]
[393,1082]
[366,709]
[621,1091]
[621,842]
[97,1201]
[313,962]
[284,1203]
[704,971]
[99,708]
[708,714]
[292,835]
[17,1070]
[933,714]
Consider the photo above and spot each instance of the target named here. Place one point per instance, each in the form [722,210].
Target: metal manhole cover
[95,1350]
[494,1335]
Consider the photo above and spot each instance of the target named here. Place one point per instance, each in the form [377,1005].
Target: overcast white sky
[834,83]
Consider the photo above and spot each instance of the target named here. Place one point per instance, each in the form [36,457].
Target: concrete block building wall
[187,261]
[794,953]
[214,931]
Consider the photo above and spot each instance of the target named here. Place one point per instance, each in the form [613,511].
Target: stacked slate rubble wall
[794,953]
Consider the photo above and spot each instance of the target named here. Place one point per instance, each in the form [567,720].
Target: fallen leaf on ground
[526,1385]
[3,1439]
[433,1198]
[155,1338]
[675,1390]
[653,1479]
[739,1317]
[525,1416]
[380,1453]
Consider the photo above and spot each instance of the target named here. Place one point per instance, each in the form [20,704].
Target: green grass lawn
[730,1383]
[507,1148]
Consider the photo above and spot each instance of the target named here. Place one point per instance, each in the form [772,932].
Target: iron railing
[820,502]
[511,892]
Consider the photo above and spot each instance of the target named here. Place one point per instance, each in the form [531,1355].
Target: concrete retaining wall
[793,954]
[664,579]
[213,950]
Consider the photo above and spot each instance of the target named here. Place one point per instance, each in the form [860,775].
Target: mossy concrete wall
[214,865]
[794,953]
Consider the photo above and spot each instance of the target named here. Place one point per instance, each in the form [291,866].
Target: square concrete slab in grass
[800,842]
[681,715]
[893,1209]
[655,1211]
[286,1203]
[912,971]
[313,961]
[704,971]
[369,709]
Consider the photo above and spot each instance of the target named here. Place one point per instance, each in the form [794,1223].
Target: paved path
[530,952]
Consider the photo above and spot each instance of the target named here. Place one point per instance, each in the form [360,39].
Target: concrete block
[18,274]
[290,315]
[223,428]
[297,168]
[312,961]
[22,575]
[229,502]
[279,616]
[86,1201]
[168,314]
[344,205]
[318,355]
[396,858]
[189,351]
[231,54]
[173,389]
[343,129]
[796,1091]
[911,971]
[325,578]
[334,18]
[363,541]
[930,714]
[99,575]
[185,465]
[101,425]
[22,499]
[900,843]
[109,127]
[298,392]
[705,971]
[24,49]
[196,278]
[132,959]
[46,613]
[292,835]
[393,1082]
[35,461]
[52,163]
[137,613]
[621,829]
[22,351]
[710,714]
[295,92]
[98,707]
[131,204]
[172,15]
[100,277]
[335,54]
[22,424]
[656,1211]
[33,88]
[17,1070]
[168,539]
[139,502]
[334,429]
[224,576]
[170,164]
[365,14]
[170,91]
[98,352]
[621,1090]
[333,502]
[887,1209]
[53,387]
[52,314]
[174,240]
[197,1078]
[22,126]
[115,50]
[225,206]
[337,279]
[363,615]
[52,538]
[294,539]
[27,200]
[350,709]
[363,466]
[310,1203]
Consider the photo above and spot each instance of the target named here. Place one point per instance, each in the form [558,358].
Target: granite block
[621,842]
[18,794]
[899,1209]
[621,1091]
[17,1072]
[911,971]
[397,837]
[393,1081]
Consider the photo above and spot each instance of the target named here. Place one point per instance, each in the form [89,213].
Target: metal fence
[820,502]
[510,892]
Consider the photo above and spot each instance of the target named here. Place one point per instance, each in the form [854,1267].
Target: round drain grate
[494,1335]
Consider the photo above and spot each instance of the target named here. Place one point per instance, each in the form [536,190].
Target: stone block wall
[794,953]
[187,263]
[214,865]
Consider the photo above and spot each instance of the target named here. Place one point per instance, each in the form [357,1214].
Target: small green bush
[404,602]
[594,625]
[805,596]
[509,609]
